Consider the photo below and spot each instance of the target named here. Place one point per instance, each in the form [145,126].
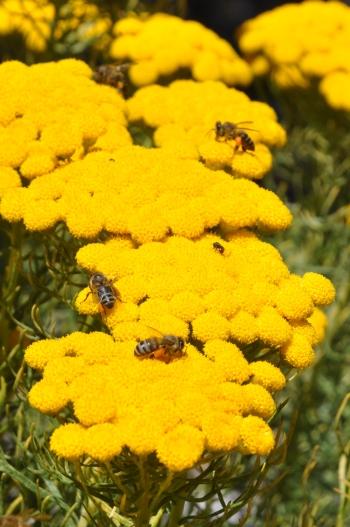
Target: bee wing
[156,330]
[124,66]
[243,122]
[249,129]
[238,125]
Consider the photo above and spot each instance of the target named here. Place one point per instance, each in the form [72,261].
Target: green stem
[10,280]
[162,487]
[119,484]
[143,515]
[176,514]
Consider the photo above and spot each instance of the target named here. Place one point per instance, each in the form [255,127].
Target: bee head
[97,279]
[219,129]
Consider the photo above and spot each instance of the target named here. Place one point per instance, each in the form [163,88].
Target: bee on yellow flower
[220,126]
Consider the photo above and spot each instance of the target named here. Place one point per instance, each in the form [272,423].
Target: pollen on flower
[267,375]
[67,441]
[149,42]
[319,287]
[226,301]
[223,434]
[38,353]
[54,114]
[318,321]
[293,300]
[258,401]
[252,165]
[272,327]
[245,294]
[95,194]
[87,303]
[303,327]
[243,327]
[48,397]
[105,384]
[298,352]
[9,178]
[50,214]
[256,436]
[181,448]
[210,325]
[202,121]
[186,305]
[98,406]
[37,165]
[230,358]
[103,442]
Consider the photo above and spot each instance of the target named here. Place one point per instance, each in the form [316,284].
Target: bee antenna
[208,132]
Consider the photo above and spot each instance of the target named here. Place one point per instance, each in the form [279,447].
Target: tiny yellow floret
[181,448]
[68,441]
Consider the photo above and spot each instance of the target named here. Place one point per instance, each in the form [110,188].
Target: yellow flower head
[181,447]
[149,42]
[267,375]
[9,178]
[255,436]
[52,114]
[275,43]
[318,321]
[33,19]
[209,121]
[106,385]
[245,294]
[181,197]
[68,441]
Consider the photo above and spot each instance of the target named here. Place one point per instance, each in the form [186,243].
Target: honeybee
[104,290]
[112,75]
[218,247]
[164,348]
[232,131]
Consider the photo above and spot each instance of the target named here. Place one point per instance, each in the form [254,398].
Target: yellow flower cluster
[146,193]
[298,42]
[185,114]
[176,410]
[162,44]
[35,19]
[51,114]
[187,288]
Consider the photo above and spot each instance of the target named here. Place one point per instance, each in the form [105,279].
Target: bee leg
[102,310]
[89,293]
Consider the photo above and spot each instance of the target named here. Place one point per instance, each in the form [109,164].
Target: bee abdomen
[106,296]
[146,347]
[247,142]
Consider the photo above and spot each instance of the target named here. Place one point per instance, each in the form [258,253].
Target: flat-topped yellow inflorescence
[185,114]
[161,45]
[186,288]
[296,43]
[145,193]
[52,114]
[40,20]
[177,410]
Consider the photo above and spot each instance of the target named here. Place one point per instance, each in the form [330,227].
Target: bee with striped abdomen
[104,290]
[234,132]
[164,348]
[218,247]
